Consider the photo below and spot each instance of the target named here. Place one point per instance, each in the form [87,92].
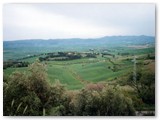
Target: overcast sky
[51,21]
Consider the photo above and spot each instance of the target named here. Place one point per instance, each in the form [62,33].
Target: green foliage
[31,94]
[17,96]
[147,91]
[108,102]
[144,85]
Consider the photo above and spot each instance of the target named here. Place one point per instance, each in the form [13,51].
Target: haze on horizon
[58,21]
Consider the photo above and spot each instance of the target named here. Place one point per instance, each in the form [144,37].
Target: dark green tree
[30,93]
[144,86]
[108,102]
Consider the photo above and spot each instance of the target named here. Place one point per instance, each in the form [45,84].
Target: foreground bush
[108,102]
[144,86]
[30,93]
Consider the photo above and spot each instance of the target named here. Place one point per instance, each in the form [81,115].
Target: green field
[75,74]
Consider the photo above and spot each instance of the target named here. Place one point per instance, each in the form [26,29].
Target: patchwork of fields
[109,58]
[75,74]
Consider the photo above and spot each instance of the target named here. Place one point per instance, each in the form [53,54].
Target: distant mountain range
[35,46]
[107,40]
[101,38]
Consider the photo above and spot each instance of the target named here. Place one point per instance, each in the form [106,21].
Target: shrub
[108,102]
[30,93]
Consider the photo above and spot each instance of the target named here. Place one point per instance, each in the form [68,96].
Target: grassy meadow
[76,73]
